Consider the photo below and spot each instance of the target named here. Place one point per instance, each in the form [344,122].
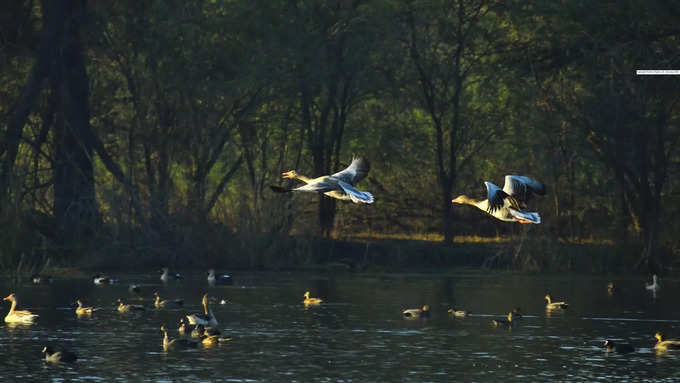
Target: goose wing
[355,172]
[321,185]
[356,195]
[497,198]
[521,187]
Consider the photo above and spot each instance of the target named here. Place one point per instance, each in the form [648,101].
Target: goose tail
[279,189]
[532,217]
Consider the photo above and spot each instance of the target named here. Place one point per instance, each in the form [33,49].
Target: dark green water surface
[356,335]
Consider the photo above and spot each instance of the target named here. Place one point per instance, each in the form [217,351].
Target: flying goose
[18,316]
[339,185]
[508,204]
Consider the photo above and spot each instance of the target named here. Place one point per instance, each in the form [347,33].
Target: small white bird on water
[654,286]
[339,185]
[508,204]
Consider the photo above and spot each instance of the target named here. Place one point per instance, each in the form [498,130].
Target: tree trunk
[53,16]
[75,206]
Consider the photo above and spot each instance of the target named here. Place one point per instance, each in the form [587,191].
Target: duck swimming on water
[184,328]
[18,316]
[503,322]
[126,308]
[63,355]
[654,286]
[165,303]
[101,279]
[458,313]
[176,344]
[664,344]
[311,301]
[621,348]
[218,279]
[82,310]
[423,312]
[41,279]
[168,275]
[205,319]
[554,305]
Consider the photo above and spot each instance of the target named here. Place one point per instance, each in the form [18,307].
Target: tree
[449,43]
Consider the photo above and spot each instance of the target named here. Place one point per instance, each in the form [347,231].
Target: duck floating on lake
[176,344]
[41,279]
[654,286]
[82,310]
[126,308]
[621,348]
[102,279]
[458,313]
[218,278]
[554,305]
[339,185]
[423,312]
[165,303]
[184,327]
[664,344]
[508,204]
[503,322]
[18,316]
[168,275]
[311,301]
[54,356]
[205,319]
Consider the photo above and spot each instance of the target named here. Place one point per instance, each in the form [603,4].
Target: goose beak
[7,298]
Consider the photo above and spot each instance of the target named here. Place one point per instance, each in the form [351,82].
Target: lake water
[357,334]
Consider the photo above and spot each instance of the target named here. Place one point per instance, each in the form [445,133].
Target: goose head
[12,297]
[461,199]
[290,174]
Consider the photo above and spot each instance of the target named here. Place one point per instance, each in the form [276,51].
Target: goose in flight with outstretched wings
[339,185]
[510,203]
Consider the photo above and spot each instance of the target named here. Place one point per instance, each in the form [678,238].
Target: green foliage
[202,105]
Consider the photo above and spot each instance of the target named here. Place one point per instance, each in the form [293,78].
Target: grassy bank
[234,251]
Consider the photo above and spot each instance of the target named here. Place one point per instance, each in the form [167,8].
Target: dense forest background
[148,132]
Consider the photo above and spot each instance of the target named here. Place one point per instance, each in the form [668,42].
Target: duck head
[659,336]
